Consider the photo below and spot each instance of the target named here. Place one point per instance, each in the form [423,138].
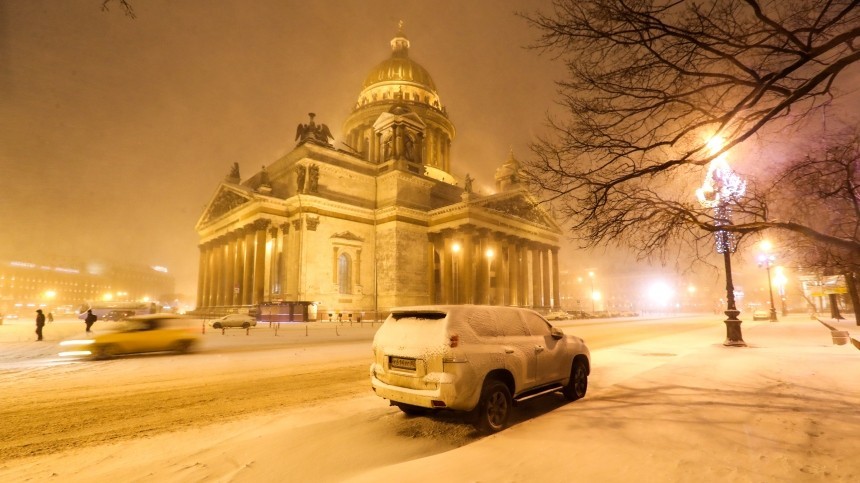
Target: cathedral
[325,232]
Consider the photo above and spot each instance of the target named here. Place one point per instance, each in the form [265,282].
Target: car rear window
[418,315]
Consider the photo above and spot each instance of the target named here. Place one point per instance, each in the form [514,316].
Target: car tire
[182,346]
[577,386]
[410,410]
[108,351]
[216,325]
[494,407]
[245,325]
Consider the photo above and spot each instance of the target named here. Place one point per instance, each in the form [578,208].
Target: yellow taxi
[143,333]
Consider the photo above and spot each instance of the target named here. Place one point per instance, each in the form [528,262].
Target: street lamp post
[765,260]
[721,188]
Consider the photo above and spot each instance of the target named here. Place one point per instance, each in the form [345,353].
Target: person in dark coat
[40,322]
[90,320]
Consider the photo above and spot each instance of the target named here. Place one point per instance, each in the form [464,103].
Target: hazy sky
[115,132]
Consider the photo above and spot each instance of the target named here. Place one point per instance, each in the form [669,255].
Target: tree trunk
[834,306]
[851,284]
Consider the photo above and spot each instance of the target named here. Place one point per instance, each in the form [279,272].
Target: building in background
[380,224]
[62,288]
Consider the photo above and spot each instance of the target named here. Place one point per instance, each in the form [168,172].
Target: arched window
[344,273]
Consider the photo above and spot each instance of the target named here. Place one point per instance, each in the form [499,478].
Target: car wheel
[182,346]
[411,410]
[245,325]
[216,325]
[108,351]
[578,384]
[494,407]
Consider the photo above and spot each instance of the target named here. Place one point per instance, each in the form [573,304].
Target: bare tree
[821,191]
[651,81]
[124,5]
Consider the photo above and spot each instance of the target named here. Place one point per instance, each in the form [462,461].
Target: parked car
[473,358]
[761,315]
[234,320]
[141,333]
[557,315]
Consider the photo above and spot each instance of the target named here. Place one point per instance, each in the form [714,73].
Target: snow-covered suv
[474,358]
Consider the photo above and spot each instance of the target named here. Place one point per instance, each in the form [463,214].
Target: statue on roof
[317,133]
[234,177]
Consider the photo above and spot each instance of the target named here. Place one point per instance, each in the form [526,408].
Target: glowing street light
[721,188]
[765,260]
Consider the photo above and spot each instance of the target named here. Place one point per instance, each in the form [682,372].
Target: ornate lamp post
[721,188]
[780,280]
[765,260]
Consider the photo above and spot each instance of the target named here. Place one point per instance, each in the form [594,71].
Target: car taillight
[454,340]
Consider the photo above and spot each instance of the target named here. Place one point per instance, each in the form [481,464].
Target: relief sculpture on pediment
[224,203]
[519,208]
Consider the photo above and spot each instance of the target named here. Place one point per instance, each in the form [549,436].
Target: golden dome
[399,78]
[399,69]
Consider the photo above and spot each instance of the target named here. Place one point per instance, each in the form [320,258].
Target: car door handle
[539,348]
[508,350]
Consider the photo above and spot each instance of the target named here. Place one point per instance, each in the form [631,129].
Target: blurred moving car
[476,359]
[761,315]
[234,320]
[141,333]
[557,315]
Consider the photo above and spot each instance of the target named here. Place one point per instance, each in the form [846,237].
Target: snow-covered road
[298,408]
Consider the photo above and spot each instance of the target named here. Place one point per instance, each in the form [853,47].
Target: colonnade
[480,266]
[242,266]
[432,147]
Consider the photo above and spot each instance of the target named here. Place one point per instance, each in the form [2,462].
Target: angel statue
[318,133]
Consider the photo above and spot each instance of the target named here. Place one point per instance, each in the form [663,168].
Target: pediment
[226,199]
[348,235]
[520,206]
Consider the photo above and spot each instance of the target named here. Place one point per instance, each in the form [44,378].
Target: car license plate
[402,363]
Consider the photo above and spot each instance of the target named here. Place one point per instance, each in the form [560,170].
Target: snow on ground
[676,408]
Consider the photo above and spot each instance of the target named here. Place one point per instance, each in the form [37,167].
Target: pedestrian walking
[50,317]
[40,322]
[91,319]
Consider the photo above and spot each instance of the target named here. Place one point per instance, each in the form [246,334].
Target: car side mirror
[556,333]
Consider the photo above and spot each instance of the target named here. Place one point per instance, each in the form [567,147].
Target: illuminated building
[380,224]
[26,285]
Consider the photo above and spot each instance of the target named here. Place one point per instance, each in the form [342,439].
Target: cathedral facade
[380,224]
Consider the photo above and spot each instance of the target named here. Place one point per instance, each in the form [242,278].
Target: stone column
[545,271]
[238,259]
[218,282]
[556,290]
[467,273]
[537,296]
[272,261]
[201,273]
[260,226]
[482,274]
[248,272]
[447,269]
[285,257]
[501,270]
[513,271]
[524,287]
[229,265]
[210,273]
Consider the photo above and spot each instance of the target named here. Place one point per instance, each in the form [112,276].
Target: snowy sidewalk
[783,409]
